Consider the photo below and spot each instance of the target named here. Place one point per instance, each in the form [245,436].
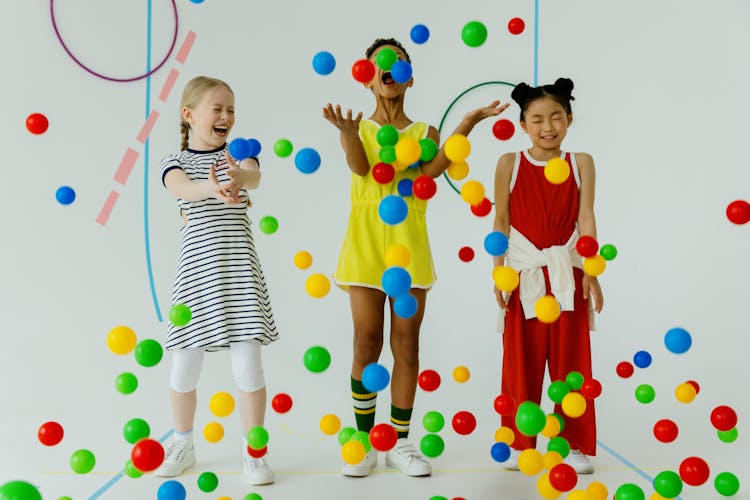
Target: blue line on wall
[536,43]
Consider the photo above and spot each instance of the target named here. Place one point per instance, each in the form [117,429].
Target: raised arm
[356,157]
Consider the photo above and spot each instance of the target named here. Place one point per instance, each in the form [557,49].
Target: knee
[405,351]
[367,346]
[250,379]
[184,378]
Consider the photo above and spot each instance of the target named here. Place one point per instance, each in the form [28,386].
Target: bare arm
[503,173]
[356,157]
[587,222]
[181,186]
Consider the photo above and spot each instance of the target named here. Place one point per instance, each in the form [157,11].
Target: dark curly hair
[379,42]
[560,91]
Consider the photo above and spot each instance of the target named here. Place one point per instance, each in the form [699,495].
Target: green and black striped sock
[364,406]
[400,419]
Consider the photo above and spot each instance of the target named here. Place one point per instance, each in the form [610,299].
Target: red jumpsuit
[546,215]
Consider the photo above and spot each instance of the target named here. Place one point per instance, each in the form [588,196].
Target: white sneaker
[180,457]
[405,457]
[257,471]
[363,468]
[579,462]
[512,462]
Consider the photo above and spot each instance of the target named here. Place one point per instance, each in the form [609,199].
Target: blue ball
[404,187]
[642,359]
[253,148]
[307,160]
[419,33]
[401,71]
[65,195]
[375,377]
[496,243]
[392,209]
[396,281]
[677,340]
[500,452]
[323,63]
[171,490]
[405,306]
[239,149]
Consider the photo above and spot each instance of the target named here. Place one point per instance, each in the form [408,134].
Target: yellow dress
[362,258]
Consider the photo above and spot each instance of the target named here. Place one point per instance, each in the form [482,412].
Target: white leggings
[246,367]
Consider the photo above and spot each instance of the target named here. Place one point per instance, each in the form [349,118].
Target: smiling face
[383,83]
[210,119]
[546,122]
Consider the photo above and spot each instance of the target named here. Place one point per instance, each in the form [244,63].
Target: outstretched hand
[228,192]
[344,122]
[592,289]
[479,114]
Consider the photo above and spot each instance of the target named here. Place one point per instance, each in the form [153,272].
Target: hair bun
[565,85]
[521,93]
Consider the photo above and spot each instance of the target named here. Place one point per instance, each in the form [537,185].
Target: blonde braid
[184,133]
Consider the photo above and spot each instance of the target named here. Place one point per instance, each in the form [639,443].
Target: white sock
[186,436]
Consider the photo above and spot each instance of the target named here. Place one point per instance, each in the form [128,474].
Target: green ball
[82,461]
[387,154]
[148,352]
[208,482]
[629,491]
[252,496]
[345,434]
[438,497]
[180,315]
[729,436]
[387,135]
[668,484]
[574,380]
[428,149]
[126,383]
[560,445]
[530,419]
[726,484]
[385,58]
[135,430]
[257,437]
[609,252]
[559,419]
[433,421]
[317,359]
[474,34]
[644,393]
[557,391]
[65,498]
[363,438]
[283,148]
[131,471]
[19,490]
[432,445]
[268,224]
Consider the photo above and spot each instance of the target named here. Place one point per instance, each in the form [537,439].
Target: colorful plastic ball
[375,377]
[466,254]
[642,359]
[482,208]
[50,433]
[505,278]
[323,63]
[738,212]
[401,71]
[281,403]
[560,445]
[505,435]
[574,404]
[429,380]
[253,147]
[136,429]
[131,471]
[695,385]
[383,173]
[723,418]
[645,393]
[404,187]
[257,453]
[147,455]
[458,170]
[383,437]
[283,148]
[574,379]
[552,427]
[407,150]
[121,340]
[551,459]
[303,259]
[268,224]
[516,26]
[213,432]
[257,437]
[171,490]
[428,149]
[37,123]
[530,418]
[496,243]
[396,281]
[685,393]
[330,424]
[65,195]
[385,58]
[629,491]
[530,462]
[405,306]
[345,435]
[594,266]
[694,471]
[563,477]
[317,285]
[239,149]
[387,154]
[624,369]
[82,461]
[500,452]
[559,418]
[433,421]
[208,482]
[317,359]
[474,33]
[729,436]
[726,484]
[363,71]
[597,491]
[557,390]
[457,148]
[424,187]
[557,171]
[419,33]
[461,374]
[180,315]
[464,422]
[148,353]
[591,388]
[19,490]
[432,445]
[504,405]
[307,160]
[668,484]
[392,210]
[547,309]
[353,452]
[545,489]
[221,404]
[397,255]
[252,496]
[677,340]
[665,430]
[362,437]
[608,251]
[587,246]
[503,129]
[387,135]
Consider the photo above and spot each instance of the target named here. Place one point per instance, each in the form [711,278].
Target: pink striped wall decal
[185,47]
[146,130]
[168,84]
[126,166]
[109,204]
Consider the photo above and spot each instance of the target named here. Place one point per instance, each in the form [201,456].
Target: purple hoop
[109,78]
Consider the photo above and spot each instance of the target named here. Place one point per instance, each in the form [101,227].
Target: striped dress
[219,276]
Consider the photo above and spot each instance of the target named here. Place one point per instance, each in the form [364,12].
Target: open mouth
[220,131]
[387,78]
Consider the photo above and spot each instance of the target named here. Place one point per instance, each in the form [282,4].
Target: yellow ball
[597,491]
[557,170]
[551,427]
[317,285]
[577,495]
[472,192]
[221,404]
[457,148]
[224,498]
[656,496]
[530,462]
[547,309]
[506,278]
[330,424]
[505,435]
[458,170]
[302,260]
[121,340]
[545,488]
[213,432]
[407,150]
[399,166]
[573,404]
[353,452]
[551,458]
[594,266]
[461,374]
[397,255]
[685,393]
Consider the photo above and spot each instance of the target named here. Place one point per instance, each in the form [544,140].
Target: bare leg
[252,408]
[405,348]
[367,314]
[183,409]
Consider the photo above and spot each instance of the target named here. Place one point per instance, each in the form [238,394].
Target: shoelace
[176,450]
[254,463]
[408,451]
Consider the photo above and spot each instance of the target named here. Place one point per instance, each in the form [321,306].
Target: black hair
[560,91]
[379,42]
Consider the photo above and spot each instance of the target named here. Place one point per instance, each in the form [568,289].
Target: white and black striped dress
[218,272]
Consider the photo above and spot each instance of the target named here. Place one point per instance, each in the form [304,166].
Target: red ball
[505,405]
[587,246]
[281,403]
[563,477]
[695,385]
[466,254]
[383,437]
[516,26]
[424,187]
[429,380]
[591,388]
[464,422]
[257,453]
[383,173]
[363,70]
[694,471]
[147,455]
[37,123]
[50,433]
[624,369]
[503,129]
[723,418]
[739,212]
[482,208]
[665,430]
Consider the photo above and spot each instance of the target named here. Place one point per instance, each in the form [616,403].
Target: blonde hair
[193,93]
